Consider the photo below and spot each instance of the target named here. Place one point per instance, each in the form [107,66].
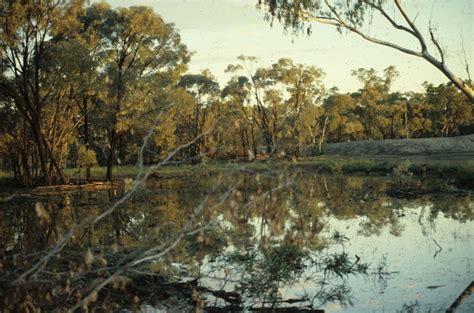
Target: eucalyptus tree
[353,15]
[236,96]
[205,92]
[12,135]
[140,54]
[392,121]
[313,127]
[275,98]
[303,88]
[372,97]
[236,136]
[418,121]
[449,110]
[30,30]
[84,55]
[343,123]
[260,98]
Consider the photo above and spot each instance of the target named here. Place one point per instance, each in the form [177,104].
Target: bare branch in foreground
[140,179]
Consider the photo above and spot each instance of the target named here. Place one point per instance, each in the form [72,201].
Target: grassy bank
[357,166]
[5,174]
[461,169]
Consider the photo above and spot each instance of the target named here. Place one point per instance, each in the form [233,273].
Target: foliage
[86,157]
[103,79]
[83,85]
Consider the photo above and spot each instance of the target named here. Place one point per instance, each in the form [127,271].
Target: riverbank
[457,167]
[462,146]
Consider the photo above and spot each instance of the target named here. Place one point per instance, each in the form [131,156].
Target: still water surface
[351,244]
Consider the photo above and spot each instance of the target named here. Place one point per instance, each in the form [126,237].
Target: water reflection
[254,241]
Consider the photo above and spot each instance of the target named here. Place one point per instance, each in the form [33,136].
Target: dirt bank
[462,145]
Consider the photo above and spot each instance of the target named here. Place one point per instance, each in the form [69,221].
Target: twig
[440,248]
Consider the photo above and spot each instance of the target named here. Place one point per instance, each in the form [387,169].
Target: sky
[218,31]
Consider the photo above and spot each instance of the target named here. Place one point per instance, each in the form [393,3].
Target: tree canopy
[83,85]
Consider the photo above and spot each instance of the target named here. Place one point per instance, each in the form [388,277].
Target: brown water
[337,243]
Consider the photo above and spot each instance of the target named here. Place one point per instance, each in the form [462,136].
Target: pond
[276,241]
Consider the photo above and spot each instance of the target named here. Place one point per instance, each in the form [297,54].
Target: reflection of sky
[408,258]
[220,30]
[411,262]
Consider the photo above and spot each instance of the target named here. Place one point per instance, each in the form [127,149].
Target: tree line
[83,85]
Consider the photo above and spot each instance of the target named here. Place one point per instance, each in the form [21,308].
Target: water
[425,265]
[275,239]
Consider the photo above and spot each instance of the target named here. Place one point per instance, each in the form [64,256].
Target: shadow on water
[240,242]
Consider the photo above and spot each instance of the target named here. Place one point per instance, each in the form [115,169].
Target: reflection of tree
[268,235]
[459,208]
[282,246]
[360,197]
[262,273]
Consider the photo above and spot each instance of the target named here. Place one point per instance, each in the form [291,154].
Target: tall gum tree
[372,97]
[205,91]
[29,29]
[136,46]
[259,99]
[275,98]
[303,88]
[351,15]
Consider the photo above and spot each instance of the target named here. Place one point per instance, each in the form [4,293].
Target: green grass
[100,171]
[5,174]
[463,170]
[6,180]
[386,165]
[346,166]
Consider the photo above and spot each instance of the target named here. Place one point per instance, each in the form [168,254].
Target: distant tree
[372,99]
[86,158]
[303,88]
[393,119]
[274,98]
[343,123]
[236,96]
[257,98]
[205,92]
[351,15]
[313,127]
[448,109]
[418,120]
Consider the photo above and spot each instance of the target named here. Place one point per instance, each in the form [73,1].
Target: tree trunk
[243,135]
[406,122]
[86,137]
[53,161]
[254,144]
[323,135]
[41,153]
[111,157]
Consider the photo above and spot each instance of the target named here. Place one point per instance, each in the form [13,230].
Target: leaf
[88,257]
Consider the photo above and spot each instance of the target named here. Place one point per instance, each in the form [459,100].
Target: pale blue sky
[220,30]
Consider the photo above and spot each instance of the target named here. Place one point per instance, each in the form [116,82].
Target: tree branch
[416,33]
[390,19]
[437,45]
[339,22]
[343,24]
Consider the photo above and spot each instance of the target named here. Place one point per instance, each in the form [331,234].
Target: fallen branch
[463,296]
